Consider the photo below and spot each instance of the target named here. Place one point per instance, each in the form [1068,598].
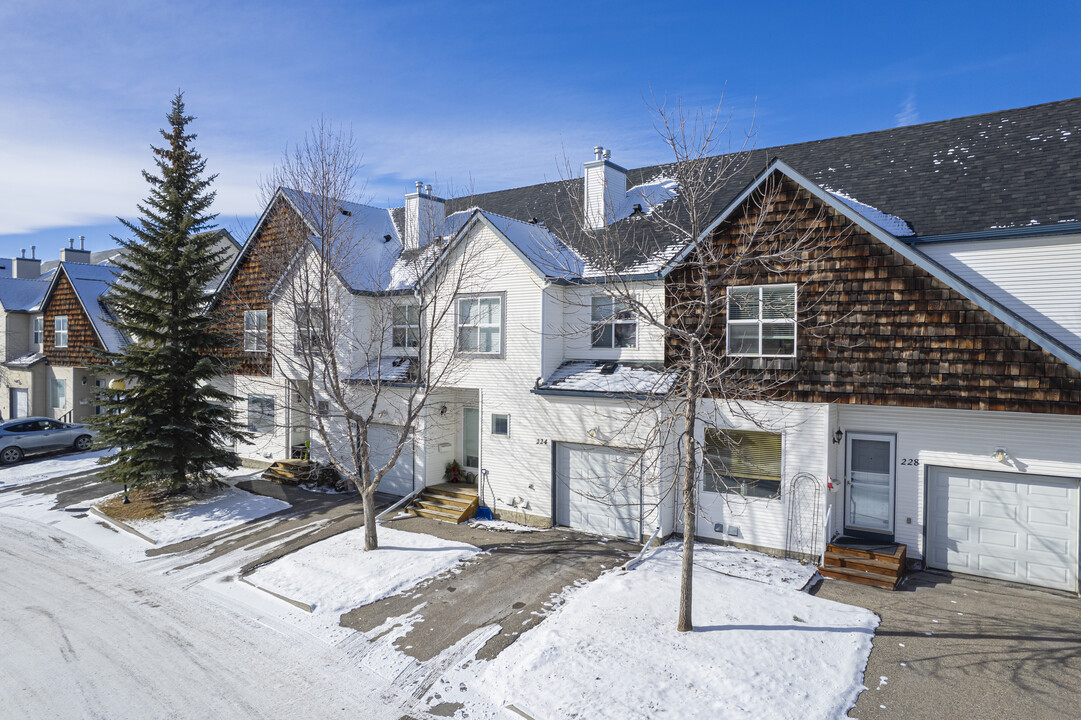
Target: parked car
[39,434]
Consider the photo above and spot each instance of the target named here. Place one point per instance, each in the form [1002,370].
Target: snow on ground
[612,651]
[34,470]
[502,525]
[755,566]
[336,575]
[225,509]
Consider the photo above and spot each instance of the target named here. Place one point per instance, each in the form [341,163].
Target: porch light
[837,436]
[1000,455]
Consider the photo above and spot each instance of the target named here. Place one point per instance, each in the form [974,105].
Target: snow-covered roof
[624,379]
[92,283]
[384,370]
[539,245]
[890,223]
[25,361]
[21,294]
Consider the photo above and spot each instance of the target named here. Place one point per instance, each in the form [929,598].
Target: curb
[295,603]
[122,525]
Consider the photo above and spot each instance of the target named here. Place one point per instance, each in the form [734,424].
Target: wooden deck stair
[450,502]
[867,563]
[287,472]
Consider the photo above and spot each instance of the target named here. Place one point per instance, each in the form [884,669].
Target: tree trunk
[690,514]
[371,540]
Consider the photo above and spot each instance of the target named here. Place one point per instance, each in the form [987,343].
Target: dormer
[424,217]
[605,188]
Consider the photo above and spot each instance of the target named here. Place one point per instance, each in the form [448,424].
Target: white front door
[869,483]
[20,403]
[1003,525]
[598,490]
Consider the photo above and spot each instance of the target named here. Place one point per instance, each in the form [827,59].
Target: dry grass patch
[145,504]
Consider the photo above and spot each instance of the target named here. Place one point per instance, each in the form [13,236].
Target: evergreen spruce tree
[172,429]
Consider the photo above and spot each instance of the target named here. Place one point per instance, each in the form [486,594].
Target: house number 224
[542,441]
[910,461]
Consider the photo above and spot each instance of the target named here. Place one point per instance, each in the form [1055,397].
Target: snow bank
[502,525]
[612,651]
[224,510]
[33,471]
[336,575]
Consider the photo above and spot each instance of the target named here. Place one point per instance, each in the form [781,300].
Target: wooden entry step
[864,562]
[449,502]
[287,472]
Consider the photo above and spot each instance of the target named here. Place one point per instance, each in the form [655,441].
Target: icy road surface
[82,636]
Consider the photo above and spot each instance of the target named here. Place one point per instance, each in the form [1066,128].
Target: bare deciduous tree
[368,317]
[670,224]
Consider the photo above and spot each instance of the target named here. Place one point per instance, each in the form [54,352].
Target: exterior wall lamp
[837,436]
[999,455]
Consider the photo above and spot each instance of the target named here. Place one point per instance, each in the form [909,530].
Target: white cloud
[908,115]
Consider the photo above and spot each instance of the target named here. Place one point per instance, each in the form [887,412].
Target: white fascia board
[1048,343]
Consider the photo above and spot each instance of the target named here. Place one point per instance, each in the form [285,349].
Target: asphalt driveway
[961,647]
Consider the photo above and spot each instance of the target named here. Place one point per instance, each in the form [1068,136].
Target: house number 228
[542,441]
[910,461]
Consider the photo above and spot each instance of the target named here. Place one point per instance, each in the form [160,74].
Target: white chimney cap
[420,185]
[598,151]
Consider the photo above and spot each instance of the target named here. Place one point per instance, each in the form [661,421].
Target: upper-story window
[480,325]
[309,328]
[405,326]
[255,331]
[762,320]
[614,325]
[39,330]
[60,328]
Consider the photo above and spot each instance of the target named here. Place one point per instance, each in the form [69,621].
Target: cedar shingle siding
[81,336]
[875,329]
[249,287]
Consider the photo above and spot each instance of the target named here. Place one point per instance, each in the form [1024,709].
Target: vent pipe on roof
[33,252]
[28,268]
[81,239]
[605,188]
[424,217]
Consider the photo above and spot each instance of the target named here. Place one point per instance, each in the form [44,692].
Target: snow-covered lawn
[46,468]
[502,525]
[225,509]
[336,575]
[759,649]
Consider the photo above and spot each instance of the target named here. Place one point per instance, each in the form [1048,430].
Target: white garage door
[1003,525]
[399,479]
[598,490]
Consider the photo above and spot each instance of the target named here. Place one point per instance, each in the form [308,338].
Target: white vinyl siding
[255,331]
[762,320]
[60,330]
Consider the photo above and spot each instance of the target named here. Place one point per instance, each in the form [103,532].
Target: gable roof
[91,284]
[869,219]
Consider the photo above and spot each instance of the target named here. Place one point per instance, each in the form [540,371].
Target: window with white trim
[39,330]
[500,424]
[255,331]
[480,325]
[60,330]
[405,326]
[261,413]
[762,320]
[309,328]
[742,462]
[614,325]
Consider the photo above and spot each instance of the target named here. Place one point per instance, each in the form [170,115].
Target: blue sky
[484,95]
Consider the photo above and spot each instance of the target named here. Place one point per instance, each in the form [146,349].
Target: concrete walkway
[961,647]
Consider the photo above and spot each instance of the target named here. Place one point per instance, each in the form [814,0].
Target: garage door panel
[398,480]
[1004,525]
[598,490]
